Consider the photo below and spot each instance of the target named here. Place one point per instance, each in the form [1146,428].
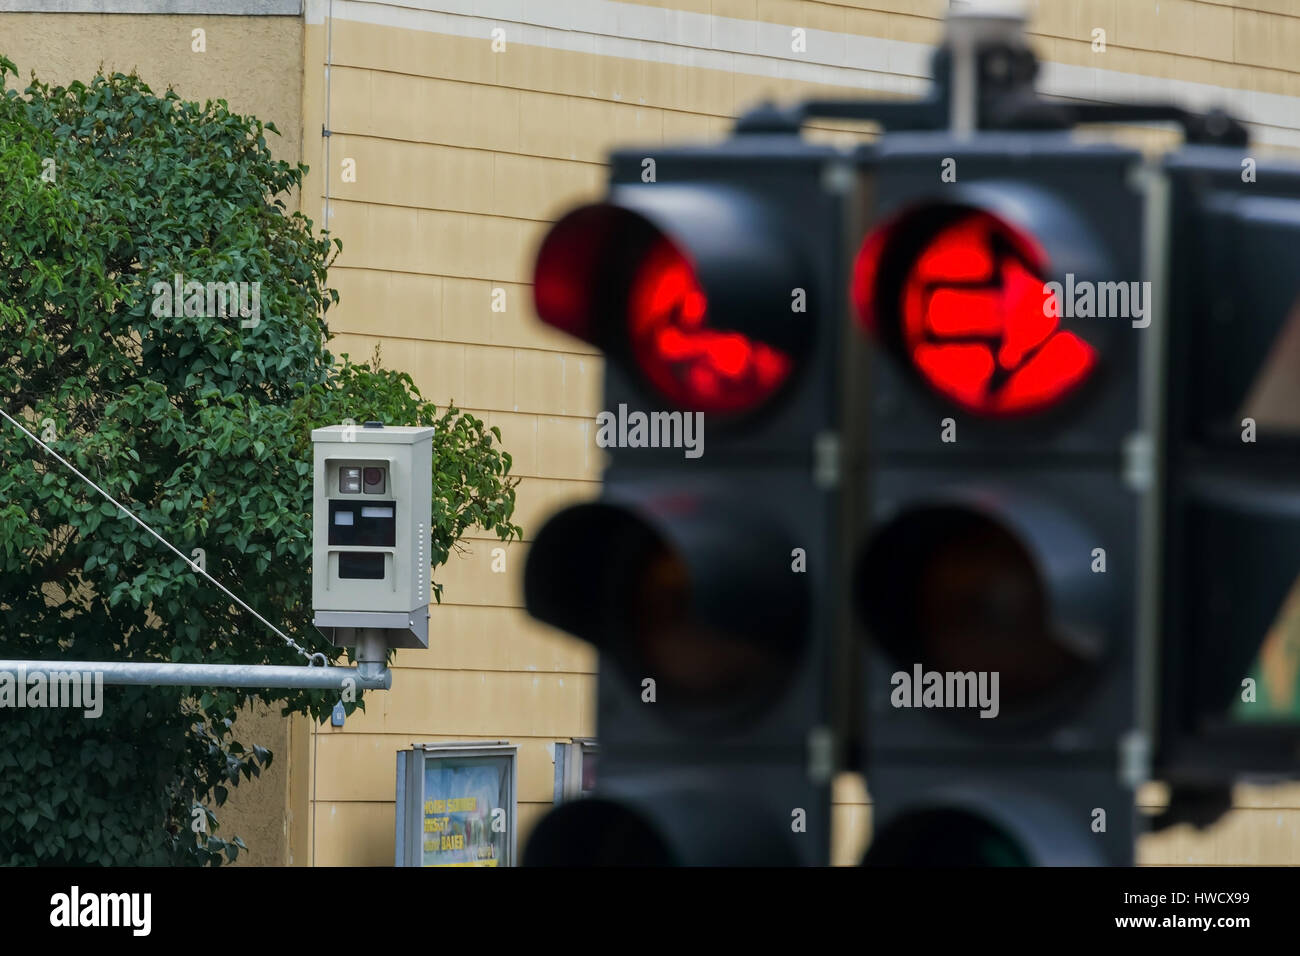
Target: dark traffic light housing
[999,534]
[1230,634]
[707,583]
[947,380]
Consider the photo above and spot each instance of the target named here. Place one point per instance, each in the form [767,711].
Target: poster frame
[408,846]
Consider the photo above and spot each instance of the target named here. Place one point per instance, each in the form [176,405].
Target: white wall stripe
[241,8]
[872,64]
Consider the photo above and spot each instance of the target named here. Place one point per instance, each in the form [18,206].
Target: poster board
[456,804]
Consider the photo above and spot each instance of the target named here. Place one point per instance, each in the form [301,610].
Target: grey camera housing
[371,492]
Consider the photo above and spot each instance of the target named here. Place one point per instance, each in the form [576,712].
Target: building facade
[443,137]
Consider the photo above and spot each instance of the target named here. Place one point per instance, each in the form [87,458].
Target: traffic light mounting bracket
[984,79]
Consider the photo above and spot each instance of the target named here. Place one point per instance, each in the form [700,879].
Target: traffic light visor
[693,294]
[667,591]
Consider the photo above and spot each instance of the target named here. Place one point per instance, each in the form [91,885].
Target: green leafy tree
[199,423]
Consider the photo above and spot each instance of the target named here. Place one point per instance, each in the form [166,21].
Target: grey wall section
[231,8]
[254,63]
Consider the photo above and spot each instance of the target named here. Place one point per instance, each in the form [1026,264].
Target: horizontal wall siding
[464,155]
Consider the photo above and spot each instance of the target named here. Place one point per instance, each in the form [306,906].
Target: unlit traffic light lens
[696,663]
[662,828]
[597,832]
[970,313]
[672,593]
[957,592]
[945,837]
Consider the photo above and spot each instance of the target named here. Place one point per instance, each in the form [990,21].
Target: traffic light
[709,278]
[1001,281]
[1230,636]
[972,394]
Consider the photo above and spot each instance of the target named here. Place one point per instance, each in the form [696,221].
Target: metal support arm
[216,675]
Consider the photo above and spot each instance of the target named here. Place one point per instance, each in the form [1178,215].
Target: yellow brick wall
[452,192]
[463,155]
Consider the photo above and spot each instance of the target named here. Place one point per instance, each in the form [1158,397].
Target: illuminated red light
[974,317]
[691,365]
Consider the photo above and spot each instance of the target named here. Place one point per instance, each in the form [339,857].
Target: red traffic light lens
[694,366]
[972,314]
[695,290]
